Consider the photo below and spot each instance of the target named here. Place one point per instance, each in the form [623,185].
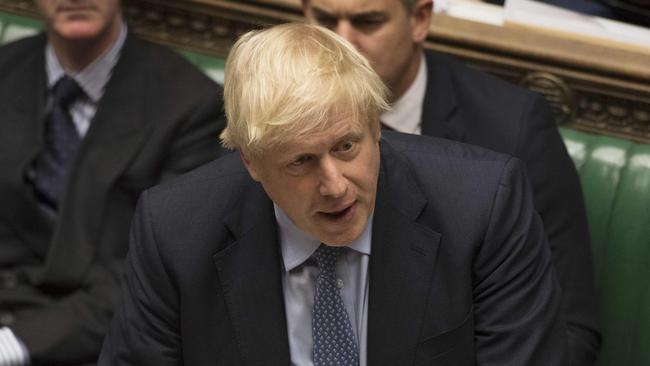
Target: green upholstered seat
[13,27]
[211,66]
[615,177]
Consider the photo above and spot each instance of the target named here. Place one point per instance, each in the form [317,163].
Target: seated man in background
[91,116]
[434,95]
[321,243]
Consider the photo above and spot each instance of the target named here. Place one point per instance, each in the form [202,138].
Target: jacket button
[6,319]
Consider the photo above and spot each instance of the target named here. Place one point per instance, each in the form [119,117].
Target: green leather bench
[615,176]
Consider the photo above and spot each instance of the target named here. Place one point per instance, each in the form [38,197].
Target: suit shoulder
[438,148]
[18,51]
[169,67]
[472,81]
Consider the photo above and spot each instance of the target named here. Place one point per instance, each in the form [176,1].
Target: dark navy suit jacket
[460,271]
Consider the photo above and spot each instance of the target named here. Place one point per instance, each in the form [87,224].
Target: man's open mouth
[340,214]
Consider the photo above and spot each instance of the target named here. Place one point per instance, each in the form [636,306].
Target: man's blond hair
[292,80]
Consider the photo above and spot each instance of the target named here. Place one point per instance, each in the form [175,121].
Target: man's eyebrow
[318,12]
[322,13]
[378,15]
[355,134]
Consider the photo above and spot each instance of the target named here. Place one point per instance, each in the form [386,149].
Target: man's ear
[250,167]
[420,20]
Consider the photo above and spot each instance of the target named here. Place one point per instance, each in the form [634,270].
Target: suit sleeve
[70,329]
[144,330]
[517,314]
[559,201]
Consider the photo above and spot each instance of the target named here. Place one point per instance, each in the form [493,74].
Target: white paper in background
[552,17]
[471,10]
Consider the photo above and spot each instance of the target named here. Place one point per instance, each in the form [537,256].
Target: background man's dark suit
[158,117]
[459,265]
[465,105]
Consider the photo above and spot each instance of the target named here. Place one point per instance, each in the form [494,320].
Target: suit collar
[249,271]
[440,107]
[401,264]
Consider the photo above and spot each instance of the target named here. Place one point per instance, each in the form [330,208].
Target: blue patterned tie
[62,140]
[334,341]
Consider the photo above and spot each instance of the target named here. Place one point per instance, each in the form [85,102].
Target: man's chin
[341,238]
[79,31]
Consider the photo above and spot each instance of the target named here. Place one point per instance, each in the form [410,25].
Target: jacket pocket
[452,347]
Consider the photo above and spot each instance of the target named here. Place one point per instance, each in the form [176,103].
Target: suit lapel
[119,127]
[440,116]
[401,266]
[24,119]
[249,272]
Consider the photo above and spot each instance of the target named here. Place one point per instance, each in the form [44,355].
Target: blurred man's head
[303,109]
[86,26]
[389,33]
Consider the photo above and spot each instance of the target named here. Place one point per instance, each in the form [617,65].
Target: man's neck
[75,55]
[401,86]
[406,112]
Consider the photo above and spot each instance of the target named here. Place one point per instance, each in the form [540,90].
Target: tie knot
[325,257]
[65,91]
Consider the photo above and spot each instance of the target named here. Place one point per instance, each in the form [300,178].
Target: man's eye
[346,146]
[327,22]
[367,24]
[301,160]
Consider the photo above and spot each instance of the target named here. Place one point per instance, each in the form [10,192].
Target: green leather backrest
[211,66]
[13,27]
[615,177]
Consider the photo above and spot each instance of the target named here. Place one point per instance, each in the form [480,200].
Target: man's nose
[332,181]
[345,29]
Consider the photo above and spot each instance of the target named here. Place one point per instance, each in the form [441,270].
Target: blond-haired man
[325,243]
[435,95]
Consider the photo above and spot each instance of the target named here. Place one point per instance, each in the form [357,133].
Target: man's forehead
[330,135]
[347,8]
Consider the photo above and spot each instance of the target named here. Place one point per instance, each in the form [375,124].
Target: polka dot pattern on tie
[334,340]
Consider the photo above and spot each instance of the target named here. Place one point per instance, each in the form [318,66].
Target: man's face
[326,183]
[81,19]
[382,30]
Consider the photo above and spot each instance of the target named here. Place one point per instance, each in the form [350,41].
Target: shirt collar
[406,113]
[93,78]
[297,246]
